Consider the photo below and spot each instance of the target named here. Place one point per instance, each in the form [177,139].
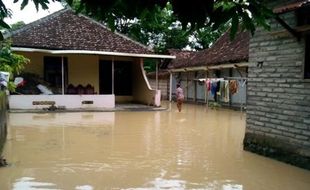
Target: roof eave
[199,68]
[89,52]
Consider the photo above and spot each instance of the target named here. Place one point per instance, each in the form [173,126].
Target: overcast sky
[29,13]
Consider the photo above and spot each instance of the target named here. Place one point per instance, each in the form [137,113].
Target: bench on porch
[80,89]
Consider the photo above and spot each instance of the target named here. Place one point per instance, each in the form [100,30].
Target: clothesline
[222,78]
[223,87]
[224,92]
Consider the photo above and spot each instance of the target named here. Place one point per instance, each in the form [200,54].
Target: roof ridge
[115,32]
[36,22]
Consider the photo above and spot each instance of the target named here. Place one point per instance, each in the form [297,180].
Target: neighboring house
[85,64]
[278,106]
[224,59]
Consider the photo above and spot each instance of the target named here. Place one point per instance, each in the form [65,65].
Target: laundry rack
[244,80]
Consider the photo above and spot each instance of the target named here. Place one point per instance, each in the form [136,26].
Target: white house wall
[68,101]
[84,70]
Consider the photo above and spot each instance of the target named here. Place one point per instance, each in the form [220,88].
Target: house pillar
[170,87]
[112,75]
[62,76]
[156,76]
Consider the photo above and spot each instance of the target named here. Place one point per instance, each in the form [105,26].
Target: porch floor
[118,107]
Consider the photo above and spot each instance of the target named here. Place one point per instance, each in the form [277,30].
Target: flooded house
[225,60]
[278,98]
[80,63]
[275,65]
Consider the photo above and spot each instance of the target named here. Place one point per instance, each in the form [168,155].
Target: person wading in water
[180,97]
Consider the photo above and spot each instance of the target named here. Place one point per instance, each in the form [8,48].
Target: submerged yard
[194,149]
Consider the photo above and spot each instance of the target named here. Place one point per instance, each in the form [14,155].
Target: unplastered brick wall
[278,97]
[163,86]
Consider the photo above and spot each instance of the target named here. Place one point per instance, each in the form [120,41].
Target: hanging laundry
[221,88]
[218,87]
[233,86]
[213,87]
[208,84]
[226,91]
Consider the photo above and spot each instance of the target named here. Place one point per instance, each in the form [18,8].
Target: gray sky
[29,13]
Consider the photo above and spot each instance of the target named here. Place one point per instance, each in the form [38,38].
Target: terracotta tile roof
[291,6]
[162,74]
[182,59]
[223,51]
[65,30]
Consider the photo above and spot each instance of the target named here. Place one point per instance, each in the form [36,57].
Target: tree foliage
[17,25]
[244,14]
[11,62]
[161,30]
[198,13]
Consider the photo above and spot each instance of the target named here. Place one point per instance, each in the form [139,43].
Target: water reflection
[193,149]
[29,183]
[77,119]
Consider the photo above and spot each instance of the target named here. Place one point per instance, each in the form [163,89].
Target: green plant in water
[214,105]
[11,62]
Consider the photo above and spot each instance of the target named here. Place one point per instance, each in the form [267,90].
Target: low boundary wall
[66,101]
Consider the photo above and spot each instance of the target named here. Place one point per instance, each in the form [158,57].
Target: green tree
[11,62]
[244,14]
[17,25]
[161,30]
[13,27]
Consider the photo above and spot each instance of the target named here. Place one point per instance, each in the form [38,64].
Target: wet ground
[194,149]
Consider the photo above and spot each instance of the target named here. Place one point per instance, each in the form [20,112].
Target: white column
[207,92]
[156,76]
[62,76]
[170,87]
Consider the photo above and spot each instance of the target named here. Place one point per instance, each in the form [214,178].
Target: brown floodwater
[194,149]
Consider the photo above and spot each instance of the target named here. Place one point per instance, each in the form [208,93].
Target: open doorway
[105,77]
[122,77]
[53,72]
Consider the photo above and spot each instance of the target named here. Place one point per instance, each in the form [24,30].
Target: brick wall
[278,98]
[163,85]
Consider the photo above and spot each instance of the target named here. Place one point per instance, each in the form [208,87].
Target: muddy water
[194,149]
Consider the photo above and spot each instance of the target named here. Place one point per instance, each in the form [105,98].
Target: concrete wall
[68,101]
[278,105]
[3,119]
[142,91]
